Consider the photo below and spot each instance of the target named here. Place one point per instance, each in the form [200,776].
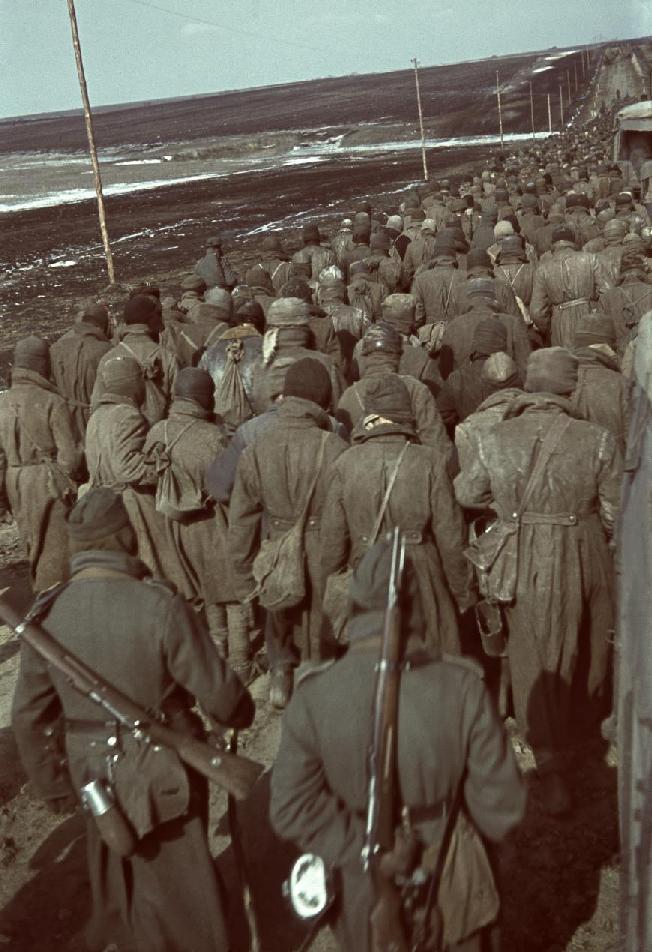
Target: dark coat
[421,504]
[567,276]
[139,637]
[457,339]
[428,423]
[602,393]
[199,541]
[115,453]
[39,456]
[463,392]
[561,619]
[626,305]
[273,477]
[438,293]
[74,359]
[448,729]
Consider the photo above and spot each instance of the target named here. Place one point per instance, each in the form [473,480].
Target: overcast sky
[134,50]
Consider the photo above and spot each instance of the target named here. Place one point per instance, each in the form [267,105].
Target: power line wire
[229,29]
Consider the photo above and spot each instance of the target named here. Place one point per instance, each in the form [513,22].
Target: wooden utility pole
[500,111]
[91,141]
[549,116]
[569,86]
[575,71]
[561,105]
[423,135]
[532,111]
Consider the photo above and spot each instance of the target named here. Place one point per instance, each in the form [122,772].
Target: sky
[137,50]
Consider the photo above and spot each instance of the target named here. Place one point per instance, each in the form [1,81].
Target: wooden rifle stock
[232,772]
[387,927]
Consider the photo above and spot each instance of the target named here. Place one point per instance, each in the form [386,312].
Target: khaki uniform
[421,504]
[145,641]
[272,481]
[566,286]
[74,359]
[115,453]
[448,730]
[39,456]
[561,620]
[199,541]
[438,292]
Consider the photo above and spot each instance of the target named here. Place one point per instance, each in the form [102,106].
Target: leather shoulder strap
[550,441]
[388,492]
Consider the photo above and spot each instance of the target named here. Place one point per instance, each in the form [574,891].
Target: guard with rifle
[393,768]
[112,664]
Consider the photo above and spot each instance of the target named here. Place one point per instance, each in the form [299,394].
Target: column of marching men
[458,366]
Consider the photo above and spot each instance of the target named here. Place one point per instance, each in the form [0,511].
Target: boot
[281,683]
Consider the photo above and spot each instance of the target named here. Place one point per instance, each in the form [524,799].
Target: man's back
[75,358]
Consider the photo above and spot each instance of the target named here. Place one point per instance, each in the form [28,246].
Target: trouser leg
[238,617]
[218,626]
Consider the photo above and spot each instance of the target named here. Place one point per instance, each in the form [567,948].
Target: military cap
[191,383]
[380,240]
[551,370]
[478,258]
[214,242]
[288,312]
[399,310]
[623,200]
[512,246]
[381,338]
[99,513]
[615,228]
[140,309]
[563,233]
[387,396]
[32,353]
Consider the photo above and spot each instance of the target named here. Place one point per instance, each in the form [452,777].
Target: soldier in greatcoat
[144,640]
[449,739]
[115,455]
[421,503]
[75,358]
[189,439]
[272,483]
[39,459]
[560,620]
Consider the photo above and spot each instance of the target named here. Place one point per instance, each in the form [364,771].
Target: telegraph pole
[532,111]
[91,141]
[561,105]
[423,135]
[500,111]
[575,70]
[569,87]
[549,116]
